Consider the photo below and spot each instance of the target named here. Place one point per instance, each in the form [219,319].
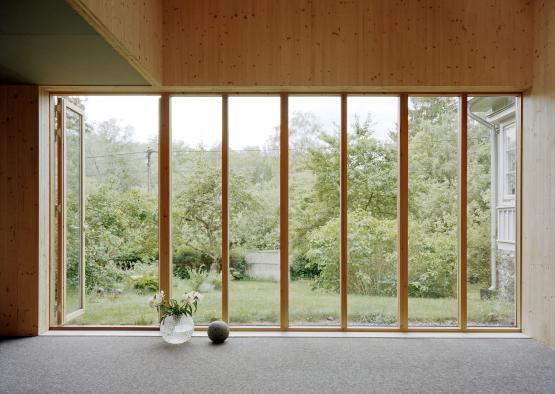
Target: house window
[509,142]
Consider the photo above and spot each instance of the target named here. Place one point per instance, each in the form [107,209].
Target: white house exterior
[499,114]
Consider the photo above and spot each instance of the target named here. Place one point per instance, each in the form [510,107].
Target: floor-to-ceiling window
[253,195]
[372,180]
[314,220]
[289,210]
[109,196]
[196,202]
[433,130]
[492,210]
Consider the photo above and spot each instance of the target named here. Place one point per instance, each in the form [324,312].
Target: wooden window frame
[284,323]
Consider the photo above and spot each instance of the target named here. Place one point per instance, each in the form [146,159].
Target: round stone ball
[218,331]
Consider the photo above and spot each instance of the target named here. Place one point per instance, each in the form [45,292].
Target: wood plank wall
[351,44]
[24,225]
[132,27]
[538,229]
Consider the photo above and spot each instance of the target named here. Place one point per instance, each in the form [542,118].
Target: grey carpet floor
[275,365]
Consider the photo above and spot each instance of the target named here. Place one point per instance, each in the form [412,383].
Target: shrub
[432,259]
[372,255]
[237,264]
[107,277]
[196,278]
[303,268]
[149,283]
[186,259]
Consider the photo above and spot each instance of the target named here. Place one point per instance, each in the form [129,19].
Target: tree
[197,210]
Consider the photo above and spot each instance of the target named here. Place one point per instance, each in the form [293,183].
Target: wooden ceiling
[295,45]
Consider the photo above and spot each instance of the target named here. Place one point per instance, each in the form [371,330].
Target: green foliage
[372,182]
[303,268]
[172,307]
[146,282]
[196,278]
[237,264]
[372,255]
[186,259]
[197,211]
[432,262]
[122,215]
[107,277]
[122,227]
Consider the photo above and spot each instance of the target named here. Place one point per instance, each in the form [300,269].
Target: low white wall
[263,264]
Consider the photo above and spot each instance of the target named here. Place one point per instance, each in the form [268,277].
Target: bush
[372,256]
[237,264]
[146,282]
[433,259]
[303,268]
[186,259]
[122,226]
[107,277]
[372,267]
[196,278]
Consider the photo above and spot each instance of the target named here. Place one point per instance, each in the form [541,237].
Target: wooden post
[519,176]
[463,159]
[225,209]
[343,213]
[284,212]
[403,213]
[165,267]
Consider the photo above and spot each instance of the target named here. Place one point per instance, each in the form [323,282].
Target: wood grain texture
[538,227]
[44,206]
[364,43]
[225,209]
[284,213]
[403,213]
[344,318]
[132,27]
[21,242]
[463,200]
[164,195]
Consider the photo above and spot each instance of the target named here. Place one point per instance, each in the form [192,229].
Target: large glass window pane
[196,126]
[121,208]
[314,218]
[372,169]
[492,164]
[433,210]
[254,124]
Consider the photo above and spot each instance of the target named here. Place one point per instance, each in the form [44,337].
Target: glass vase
[177,330]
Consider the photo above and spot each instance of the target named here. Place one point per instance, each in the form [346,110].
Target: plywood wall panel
[19,210]
[348,43]
[132,27]
[538,253]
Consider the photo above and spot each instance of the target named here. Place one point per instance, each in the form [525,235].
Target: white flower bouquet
[172,307]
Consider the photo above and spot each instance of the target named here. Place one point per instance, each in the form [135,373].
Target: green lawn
[257,302]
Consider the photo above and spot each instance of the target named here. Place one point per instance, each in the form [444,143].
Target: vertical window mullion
[61,211]
[518,207]
[462,249]
[164,158]
[284,212]
[403,212]
[343,212]
[225,209]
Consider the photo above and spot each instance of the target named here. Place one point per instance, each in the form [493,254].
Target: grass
[257,302]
